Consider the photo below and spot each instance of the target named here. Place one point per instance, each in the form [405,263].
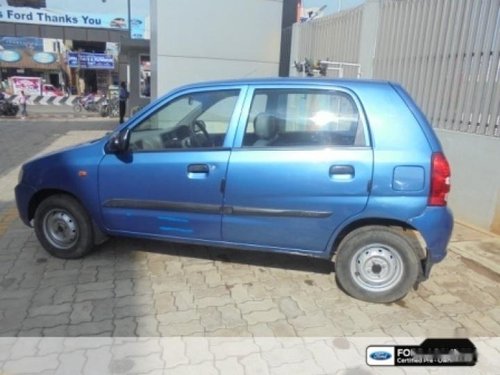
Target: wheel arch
[41,195]
[371,222]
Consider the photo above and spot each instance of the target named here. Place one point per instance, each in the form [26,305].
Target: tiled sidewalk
[227,356]
[135,288]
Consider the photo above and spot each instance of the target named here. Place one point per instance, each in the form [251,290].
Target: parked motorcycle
[8,108]
[110,107]
[88,103]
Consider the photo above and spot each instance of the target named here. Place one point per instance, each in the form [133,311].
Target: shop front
[27,57]
[91,72]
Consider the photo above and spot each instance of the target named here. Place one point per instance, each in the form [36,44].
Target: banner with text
[85,60]
[71,16]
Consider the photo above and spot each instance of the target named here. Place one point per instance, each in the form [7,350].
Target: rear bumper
[435,225]
[24,193]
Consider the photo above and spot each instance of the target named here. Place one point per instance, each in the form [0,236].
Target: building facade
[193,40]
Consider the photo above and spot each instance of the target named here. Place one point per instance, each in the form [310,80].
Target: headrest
[266,126]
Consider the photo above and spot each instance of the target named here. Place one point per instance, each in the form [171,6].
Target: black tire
[63,227]
[378,263]
[115,112]
[77,107]
[12,110]
[15,109]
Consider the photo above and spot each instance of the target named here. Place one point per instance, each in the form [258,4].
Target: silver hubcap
[377,267]
[60,229]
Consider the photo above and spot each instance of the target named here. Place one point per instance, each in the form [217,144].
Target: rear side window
[303,117]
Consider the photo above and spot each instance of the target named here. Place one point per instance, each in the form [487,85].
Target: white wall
[200,40]
[475,177]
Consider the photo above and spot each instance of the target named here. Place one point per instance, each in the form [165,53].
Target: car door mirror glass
[118,142]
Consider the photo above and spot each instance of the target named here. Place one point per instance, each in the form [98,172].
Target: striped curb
[60,117]
[48,100]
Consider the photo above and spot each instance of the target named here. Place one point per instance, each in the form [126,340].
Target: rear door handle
[341,170]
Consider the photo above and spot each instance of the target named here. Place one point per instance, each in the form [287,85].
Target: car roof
[309,81]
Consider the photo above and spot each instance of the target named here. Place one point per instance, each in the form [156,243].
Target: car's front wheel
[377,263]
[63,227]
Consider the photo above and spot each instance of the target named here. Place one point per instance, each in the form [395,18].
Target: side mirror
[118,142]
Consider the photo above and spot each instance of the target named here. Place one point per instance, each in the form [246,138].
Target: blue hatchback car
[322,168]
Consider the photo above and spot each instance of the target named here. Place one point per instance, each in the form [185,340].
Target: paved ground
[144,288]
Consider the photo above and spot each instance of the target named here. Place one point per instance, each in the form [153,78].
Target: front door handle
[198,171]
[341,170]
[198,168]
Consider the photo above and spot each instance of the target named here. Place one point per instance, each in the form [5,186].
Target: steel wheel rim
[60,229]
[377,267]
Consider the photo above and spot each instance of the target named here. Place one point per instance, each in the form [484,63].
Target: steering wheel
[198,127]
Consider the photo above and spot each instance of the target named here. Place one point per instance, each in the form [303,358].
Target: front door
[169,182]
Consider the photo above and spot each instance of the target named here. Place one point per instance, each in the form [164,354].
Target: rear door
[302,165]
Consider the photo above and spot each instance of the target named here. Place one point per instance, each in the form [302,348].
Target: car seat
[266,129]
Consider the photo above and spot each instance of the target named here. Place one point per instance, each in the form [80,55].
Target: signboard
[44,57]
[138,29]
[10,56]
[139,19]
[32,43]
[85,60]
[70,13]
[30,85]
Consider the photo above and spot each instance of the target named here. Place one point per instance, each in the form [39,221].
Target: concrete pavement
[137,288]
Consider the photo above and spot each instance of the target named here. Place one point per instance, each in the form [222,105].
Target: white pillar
[368,42]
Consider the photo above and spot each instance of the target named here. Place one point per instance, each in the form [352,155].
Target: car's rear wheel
[63,227]
[377,263]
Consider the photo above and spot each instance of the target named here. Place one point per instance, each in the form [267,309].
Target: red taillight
[440,180]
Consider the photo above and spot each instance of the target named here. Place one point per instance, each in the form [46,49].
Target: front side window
[197,120]
[303,117]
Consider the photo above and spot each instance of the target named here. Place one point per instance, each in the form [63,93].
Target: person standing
[147,87]
[22,103]
[123,100]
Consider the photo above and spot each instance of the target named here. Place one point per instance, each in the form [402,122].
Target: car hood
[50,170]
[87,145]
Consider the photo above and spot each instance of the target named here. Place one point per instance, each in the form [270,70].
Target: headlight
[20,175]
